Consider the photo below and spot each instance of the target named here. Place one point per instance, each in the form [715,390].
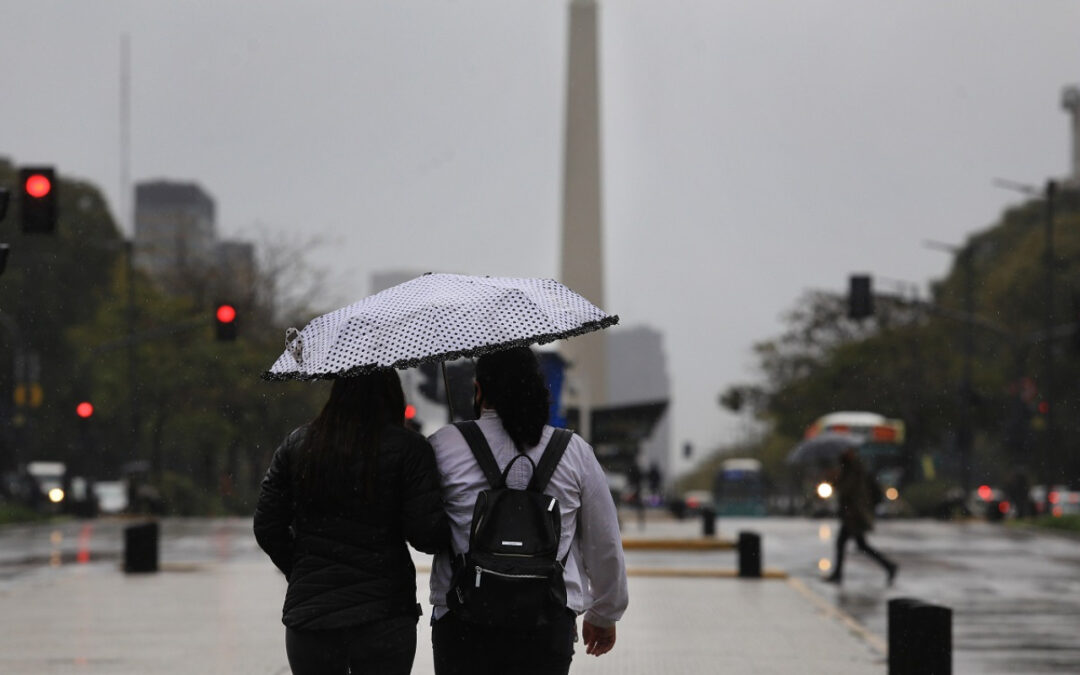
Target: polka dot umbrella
[435,317]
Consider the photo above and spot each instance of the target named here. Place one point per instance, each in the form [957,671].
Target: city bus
[739,488]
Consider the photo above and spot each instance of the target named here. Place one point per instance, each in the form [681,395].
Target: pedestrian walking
[585,572]
[340,500]
[853,489]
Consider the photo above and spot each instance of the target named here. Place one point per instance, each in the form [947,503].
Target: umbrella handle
[446,387]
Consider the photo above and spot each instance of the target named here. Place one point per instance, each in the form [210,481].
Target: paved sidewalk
[223,617]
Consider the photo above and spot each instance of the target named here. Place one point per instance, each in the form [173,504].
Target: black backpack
[511,575]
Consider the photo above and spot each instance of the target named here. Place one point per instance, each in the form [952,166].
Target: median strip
[678,545]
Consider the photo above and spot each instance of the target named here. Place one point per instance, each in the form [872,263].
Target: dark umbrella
[825,448]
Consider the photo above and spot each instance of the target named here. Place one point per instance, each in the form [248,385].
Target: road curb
[831,611]
[678,545]
[699,573]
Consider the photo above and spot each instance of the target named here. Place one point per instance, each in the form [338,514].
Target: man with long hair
[512,404]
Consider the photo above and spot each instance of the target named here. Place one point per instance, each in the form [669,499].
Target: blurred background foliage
[206,424]
[907,361]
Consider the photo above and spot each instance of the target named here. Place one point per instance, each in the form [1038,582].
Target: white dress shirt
[595,571]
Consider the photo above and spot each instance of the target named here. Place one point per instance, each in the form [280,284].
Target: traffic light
[860,297]
[225,320]
[37,187]
[85,410]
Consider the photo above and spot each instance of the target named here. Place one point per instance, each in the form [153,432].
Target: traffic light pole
[135,419]
[1048,351]
[17,353]
[967,435]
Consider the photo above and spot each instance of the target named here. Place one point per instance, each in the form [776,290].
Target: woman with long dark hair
[340,500]
[511,402]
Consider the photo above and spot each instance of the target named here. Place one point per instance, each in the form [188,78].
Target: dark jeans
[860,541]
[466,649]
[385,647]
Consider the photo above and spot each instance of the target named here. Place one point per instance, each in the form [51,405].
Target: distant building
[176,243]
[637,372]
[175,233]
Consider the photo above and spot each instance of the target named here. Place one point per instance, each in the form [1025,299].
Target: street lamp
[1049,192]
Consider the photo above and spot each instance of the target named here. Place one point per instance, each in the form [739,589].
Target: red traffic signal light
[37,185]
[226,313]
[84,410]
[38,199]
[225,320]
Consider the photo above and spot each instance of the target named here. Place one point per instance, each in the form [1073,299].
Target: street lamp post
[1048,348]
[1049,194]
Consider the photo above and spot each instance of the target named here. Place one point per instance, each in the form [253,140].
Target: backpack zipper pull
[478,576]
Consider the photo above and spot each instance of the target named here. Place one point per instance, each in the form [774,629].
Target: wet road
[1015,594]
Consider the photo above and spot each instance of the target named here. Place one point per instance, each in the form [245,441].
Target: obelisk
[582,263]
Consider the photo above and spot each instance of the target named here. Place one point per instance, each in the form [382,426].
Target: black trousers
[384,647]
[467,649]
[860,541]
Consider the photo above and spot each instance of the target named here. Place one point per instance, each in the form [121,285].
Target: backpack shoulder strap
[550,459]
[482,452]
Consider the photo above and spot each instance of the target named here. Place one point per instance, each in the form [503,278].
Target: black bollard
[902,639]
[920,638]
[708,521]
[750,555]
[141,548]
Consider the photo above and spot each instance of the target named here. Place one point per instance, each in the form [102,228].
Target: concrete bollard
[920,638]
[141,548]
[750,555]
[708,522]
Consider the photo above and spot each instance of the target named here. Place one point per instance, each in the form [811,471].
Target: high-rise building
[175,232]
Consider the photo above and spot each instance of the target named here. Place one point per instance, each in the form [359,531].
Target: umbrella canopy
[435,317]
[825,448]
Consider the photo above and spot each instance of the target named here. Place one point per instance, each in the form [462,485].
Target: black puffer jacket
[352,567]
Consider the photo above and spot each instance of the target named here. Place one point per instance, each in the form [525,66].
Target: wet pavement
[214,608]
[1015,596]
[1014,592]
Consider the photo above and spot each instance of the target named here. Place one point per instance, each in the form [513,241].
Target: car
[1061,501]
[990,503]
[691,503]
[112,496]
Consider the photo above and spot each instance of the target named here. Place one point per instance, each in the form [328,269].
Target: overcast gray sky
[751,149]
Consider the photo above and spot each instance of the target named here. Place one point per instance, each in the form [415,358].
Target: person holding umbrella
[340,500]
[852,485]
[438,318]
[511,402]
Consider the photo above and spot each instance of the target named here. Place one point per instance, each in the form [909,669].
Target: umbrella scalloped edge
[589,327]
